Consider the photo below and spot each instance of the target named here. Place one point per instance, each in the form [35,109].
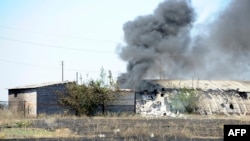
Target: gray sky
[36,35]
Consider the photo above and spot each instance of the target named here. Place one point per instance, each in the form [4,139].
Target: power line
[27,64]
[43,66]
[52,46]
[57,35]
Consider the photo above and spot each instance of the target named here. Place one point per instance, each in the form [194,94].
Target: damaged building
[216,97]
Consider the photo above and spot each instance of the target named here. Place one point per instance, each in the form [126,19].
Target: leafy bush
[84,99]
[186,99]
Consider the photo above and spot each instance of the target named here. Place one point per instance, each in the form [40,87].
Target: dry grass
[63,132]
[127,126]
[8,116]
[9,133]
[214,116]
[15,125]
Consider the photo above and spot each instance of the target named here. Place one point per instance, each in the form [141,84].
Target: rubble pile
[151,106]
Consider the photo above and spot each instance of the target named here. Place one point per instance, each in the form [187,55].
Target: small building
[36,99]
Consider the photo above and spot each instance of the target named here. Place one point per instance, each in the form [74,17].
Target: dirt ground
[198,128]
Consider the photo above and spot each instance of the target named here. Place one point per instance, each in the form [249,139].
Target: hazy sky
[36,35]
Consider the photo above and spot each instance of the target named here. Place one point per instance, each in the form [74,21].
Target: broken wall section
[156,100]
[225,102]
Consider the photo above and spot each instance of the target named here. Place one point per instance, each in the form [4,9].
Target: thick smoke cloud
[159,46]
[230,43]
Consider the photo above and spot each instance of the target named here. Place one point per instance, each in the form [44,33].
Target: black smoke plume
[160,46]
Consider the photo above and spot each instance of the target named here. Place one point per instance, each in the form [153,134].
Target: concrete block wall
[47,98]
[120,108]
[124,102]
[23,100]
[124,98]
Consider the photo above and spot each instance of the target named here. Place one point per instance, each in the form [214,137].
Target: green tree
[78,98]
[186,99]
[84,99]
[105,90]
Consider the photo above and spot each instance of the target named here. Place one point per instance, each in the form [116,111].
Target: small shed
[36,99]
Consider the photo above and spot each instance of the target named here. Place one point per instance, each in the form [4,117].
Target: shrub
[84,99]
[186,99]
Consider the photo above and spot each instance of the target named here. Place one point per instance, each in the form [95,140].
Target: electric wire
[45,66]
[53,46]
[57,35]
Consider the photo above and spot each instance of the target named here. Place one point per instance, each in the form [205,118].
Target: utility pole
[77,78]
[62,70]
[81,78]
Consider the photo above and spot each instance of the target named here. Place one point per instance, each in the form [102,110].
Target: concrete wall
[120,108]
[124,98]
[123,102]
[23,100]
[210,102]
[228,102]
[47,98]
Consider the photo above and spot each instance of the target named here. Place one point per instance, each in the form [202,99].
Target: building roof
[243,86]
[40,85]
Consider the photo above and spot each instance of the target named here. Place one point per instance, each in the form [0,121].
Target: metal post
[62,70]
[81,78]
[76,78]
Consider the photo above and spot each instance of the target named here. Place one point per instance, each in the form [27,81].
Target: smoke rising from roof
[160,45]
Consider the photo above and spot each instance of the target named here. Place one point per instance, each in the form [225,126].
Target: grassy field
[133,127]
